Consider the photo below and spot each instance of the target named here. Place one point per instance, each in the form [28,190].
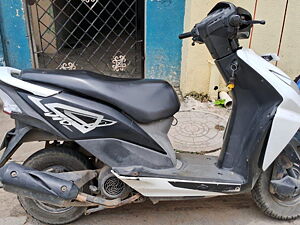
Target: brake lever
[236,21]
[197,40]
[249,22]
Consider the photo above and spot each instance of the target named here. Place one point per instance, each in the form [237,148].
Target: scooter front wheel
[54,159]
[274,203]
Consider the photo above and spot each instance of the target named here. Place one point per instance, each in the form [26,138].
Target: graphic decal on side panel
[82,120]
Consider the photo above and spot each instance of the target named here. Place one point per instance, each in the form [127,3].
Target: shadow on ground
[225,210]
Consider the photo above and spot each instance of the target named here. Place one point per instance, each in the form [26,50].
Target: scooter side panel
[81,119]
[164,187]
[131,157]
[25,113]
[286,121]
[254,106]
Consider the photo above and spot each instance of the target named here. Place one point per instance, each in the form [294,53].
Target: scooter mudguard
[12,140]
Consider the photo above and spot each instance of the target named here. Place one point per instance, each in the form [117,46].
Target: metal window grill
[104,36]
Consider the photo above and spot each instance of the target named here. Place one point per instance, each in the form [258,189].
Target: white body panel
[160,187]
[287,118]
[6,77]
[9,105]
[285,124]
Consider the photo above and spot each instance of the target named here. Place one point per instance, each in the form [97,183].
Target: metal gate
[105,36]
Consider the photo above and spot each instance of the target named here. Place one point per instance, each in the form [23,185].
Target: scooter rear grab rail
[6,76]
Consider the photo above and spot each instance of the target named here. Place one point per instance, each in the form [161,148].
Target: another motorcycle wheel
[56,160]
[274,203]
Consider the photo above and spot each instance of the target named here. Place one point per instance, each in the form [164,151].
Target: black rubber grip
[185,35]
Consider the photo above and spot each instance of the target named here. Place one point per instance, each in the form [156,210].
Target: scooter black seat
[145,100]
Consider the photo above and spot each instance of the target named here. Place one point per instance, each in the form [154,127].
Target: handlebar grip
[236,21]
[185,35]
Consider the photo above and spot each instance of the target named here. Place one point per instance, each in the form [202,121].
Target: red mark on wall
[254,16]
[282,27]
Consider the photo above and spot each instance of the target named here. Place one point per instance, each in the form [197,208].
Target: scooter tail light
[6,111]
[9,109]
[9,105]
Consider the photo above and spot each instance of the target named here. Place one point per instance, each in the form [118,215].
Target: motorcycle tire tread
[264,200]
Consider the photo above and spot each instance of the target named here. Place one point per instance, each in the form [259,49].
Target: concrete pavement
[200,127]
[230,210]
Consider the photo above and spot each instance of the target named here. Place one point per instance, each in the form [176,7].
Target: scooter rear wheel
[272,204]
[54,159]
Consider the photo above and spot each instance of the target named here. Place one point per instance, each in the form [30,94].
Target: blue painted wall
[164,22]
[14,34]
[2,61]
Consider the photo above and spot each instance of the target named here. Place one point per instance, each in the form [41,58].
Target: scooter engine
[110,186]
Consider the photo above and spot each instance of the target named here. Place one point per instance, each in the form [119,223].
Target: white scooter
[107,144]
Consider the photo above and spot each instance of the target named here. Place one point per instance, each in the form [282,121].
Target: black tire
[268,203]
[47,158]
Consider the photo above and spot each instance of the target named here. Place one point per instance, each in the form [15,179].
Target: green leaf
[220,102]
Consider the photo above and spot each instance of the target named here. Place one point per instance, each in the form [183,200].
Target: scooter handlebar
[185,35]
[237,21]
